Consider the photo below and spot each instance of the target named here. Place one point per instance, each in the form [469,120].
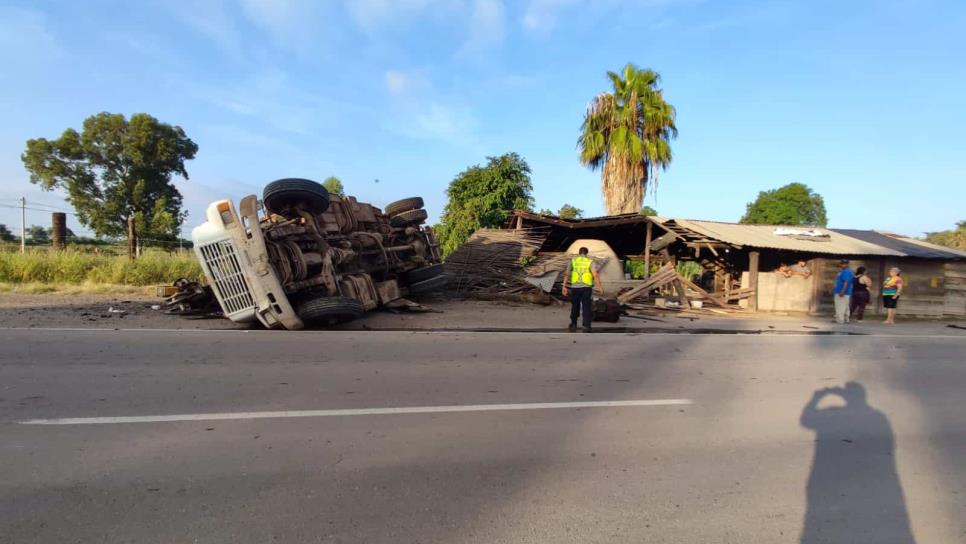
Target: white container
[697,304]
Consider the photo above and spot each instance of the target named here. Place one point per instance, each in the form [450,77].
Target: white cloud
[540,16]
[402,84]
[293,24]
[487,26]
[213,19]
[447,123]
[25,37]
[371,14]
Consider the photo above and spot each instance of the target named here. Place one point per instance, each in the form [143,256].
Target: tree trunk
[132,240]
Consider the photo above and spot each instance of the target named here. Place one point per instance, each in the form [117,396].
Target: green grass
[79,269]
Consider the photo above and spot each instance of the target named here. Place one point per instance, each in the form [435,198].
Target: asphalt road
[734,447]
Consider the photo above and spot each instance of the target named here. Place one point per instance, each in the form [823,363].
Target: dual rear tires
[406,212]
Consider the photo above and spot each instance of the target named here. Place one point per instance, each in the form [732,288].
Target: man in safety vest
[580,279]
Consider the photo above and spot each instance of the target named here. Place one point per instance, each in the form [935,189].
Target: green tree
[482,196]
[546,211]
[570,212]
[648,211]
[626,135]
[955,238]
[38,235]
[115,169]
[5,234]
[793,204]
[333,185]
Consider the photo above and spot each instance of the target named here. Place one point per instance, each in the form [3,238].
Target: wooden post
[58,230]
[647,250]
[519,222]
[132,242]
[753,280]
[818,280]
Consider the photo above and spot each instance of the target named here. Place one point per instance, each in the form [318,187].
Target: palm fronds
[626,134]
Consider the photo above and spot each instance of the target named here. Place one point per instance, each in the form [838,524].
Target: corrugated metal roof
[907,246]
[763,236]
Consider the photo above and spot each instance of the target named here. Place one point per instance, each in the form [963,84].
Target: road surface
[398,437]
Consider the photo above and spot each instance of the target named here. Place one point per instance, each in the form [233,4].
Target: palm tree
[626,134]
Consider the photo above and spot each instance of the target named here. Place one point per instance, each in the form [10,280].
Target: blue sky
[863,100]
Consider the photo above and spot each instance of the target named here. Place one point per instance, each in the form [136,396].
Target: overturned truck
[314,257]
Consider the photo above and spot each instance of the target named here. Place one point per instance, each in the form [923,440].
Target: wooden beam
[647,249]
[713,252]
[697,289]
[753,280]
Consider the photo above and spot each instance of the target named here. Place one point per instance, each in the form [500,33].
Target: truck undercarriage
[313,257]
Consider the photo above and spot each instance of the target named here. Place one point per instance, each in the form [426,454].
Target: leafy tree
[955,239]
[793,204]
[626,134]
[481,196]
[570,212]
[546,211]
[38,235]
[333,185]
[648,211]
[5,234]
[115,169]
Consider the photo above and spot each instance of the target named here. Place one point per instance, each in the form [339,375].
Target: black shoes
[588,329]
[573,327]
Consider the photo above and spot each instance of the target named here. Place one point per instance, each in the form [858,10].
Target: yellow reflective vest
[580,271]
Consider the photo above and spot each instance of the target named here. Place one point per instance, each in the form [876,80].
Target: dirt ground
[134,311]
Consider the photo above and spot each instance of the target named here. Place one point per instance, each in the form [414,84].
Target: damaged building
[739,263]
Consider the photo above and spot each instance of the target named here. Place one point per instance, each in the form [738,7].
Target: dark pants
[581,301]
[857,304]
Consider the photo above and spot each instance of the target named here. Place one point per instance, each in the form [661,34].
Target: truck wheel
[412,217]
[290,192]
[426,286]
[424,273]
[404,205]
[329,309]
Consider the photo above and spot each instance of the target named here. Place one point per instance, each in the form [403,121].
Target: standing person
[843,292]
[582,277]
[860,293]
[891,289]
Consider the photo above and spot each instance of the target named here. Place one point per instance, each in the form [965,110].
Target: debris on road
[190,298]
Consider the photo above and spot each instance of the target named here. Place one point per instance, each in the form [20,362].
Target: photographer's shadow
[853,491]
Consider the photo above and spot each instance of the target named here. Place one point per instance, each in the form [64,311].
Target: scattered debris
[491,262]
[607,310]
[192,299]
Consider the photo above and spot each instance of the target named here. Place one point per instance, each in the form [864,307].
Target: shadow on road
[853,490]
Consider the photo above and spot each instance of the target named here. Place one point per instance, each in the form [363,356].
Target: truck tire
[289,192]
[424,273]
[412,217]
[404,205]
[426,286]
[329,309]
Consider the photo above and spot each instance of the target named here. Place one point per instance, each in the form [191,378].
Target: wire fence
[78,238]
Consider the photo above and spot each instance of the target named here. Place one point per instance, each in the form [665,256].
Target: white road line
[354,412]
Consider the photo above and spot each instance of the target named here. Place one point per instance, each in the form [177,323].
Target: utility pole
[23,224]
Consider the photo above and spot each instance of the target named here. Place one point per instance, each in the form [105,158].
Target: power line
[35,209]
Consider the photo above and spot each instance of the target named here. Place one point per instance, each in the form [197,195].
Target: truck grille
[229,282]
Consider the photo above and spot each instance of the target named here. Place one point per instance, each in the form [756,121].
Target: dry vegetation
[67,271]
